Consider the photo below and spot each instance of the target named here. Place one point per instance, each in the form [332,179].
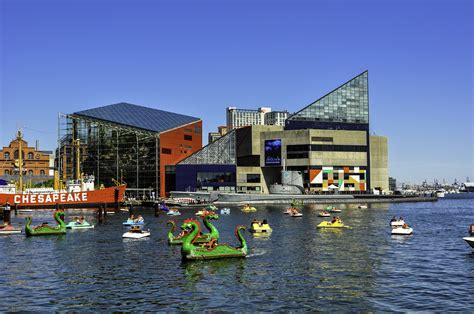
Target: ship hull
[107,195]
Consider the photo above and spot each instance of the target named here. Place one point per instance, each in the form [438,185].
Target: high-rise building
[237,118]
[392,183]
[276,118]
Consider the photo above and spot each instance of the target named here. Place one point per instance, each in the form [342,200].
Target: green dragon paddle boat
[210,250]
[45,229]
[202,238]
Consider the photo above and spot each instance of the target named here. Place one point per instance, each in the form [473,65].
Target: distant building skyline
[237,118]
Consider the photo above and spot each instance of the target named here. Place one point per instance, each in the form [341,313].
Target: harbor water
[297,267]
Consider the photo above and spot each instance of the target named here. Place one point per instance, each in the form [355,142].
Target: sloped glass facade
[348,103]
[220,152]
[111,152]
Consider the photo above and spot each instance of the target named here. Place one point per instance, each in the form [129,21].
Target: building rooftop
[348,103]
[138,117]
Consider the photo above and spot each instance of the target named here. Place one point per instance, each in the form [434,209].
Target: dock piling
[99,212]
[7,215]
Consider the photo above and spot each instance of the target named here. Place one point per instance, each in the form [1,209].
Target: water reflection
[261,236]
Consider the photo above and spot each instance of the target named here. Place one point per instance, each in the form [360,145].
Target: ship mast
[20,160]
[77,145]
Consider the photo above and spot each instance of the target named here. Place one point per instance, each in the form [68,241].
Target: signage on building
[273,152]
[50,198]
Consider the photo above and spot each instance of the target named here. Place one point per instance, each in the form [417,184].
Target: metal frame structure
[124,153]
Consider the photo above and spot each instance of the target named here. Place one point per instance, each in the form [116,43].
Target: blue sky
[198,57]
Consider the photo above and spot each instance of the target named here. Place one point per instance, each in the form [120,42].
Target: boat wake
[257,253]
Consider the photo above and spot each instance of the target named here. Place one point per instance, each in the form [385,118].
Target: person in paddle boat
[132,218]
[334,219]
[44,224]
[405,226]
[140,218]
[135,229]
[264,222]
[81,220]
[211,244]
[393,219]
[184,232]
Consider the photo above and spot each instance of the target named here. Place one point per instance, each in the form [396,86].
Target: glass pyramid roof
[221,151]
[349,103]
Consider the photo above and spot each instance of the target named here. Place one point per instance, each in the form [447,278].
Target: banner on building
[273,152]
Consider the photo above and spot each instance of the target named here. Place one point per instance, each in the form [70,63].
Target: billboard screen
[273,152]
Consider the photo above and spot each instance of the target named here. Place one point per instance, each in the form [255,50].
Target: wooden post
[7,214]
[99,211]
[157,209]
[16,209]
[57,206]
[116,195]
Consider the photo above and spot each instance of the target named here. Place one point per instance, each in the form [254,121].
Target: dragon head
[210,215]
[189,223]
[238,228]
[59,213]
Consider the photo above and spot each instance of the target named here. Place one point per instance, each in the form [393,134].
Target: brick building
[36,163]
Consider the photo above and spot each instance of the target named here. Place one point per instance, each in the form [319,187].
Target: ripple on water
[297,267]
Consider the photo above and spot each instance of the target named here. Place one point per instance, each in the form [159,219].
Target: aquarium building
[328,142]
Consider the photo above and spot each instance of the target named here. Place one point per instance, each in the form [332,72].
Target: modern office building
[327,142]
[237,118]
[276,118]
[128,143]
[392,184]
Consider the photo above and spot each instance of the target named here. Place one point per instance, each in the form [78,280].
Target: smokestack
[37,145]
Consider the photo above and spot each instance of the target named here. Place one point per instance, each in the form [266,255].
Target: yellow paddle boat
[247,208]
[258,226]
[327,224]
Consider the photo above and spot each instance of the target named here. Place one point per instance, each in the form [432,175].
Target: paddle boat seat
[258,226]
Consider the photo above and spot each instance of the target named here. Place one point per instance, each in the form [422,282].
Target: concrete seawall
[326,200]
[238,198]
